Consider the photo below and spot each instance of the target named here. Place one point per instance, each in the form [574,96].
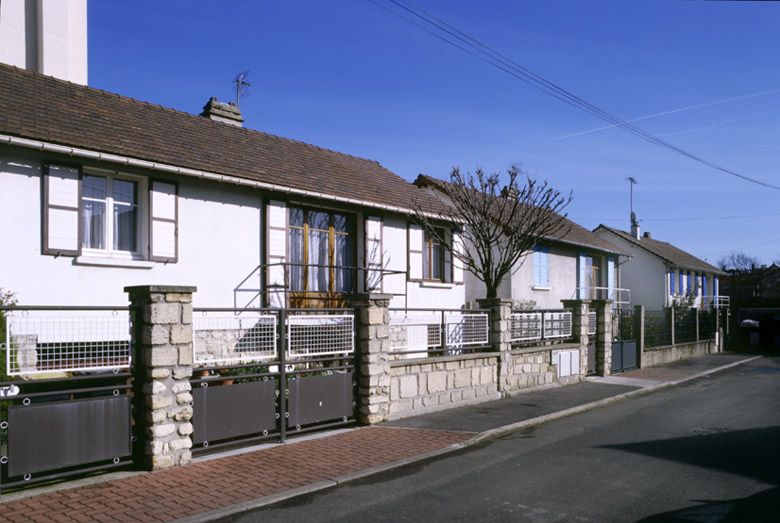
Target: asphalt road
[708,450]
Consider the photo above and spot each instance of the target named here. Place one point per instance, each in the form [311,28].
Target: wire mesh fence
[67,340]
[623,324]
[432,332]
[320,335]
[684,325]
[657,328]
[592,323]
[540,325]
[225,337]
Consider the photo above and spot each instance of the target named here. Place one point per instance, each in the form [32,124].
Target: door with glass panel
[321,257]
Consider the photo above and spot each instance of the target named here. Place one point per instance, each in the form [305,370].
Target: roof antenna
[631,182]
[241,86]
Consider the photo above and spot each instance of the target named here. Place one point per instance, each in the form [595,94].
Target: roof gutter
[184,171]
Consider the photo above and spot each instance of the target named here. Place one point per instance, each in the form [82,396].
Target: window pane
[343,259]
[319,220]
[436,262]
[319,273]
[340,223]
[426,259]
[94,187]
[124,191]
[124,227]
[296,216]
[296,257]
[94,225]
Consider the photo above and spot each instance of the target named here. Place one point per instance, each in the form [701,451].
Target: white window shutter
[163,222]
[416,240]
[276,252]
[611,278]
[582,277]
[457,263]
[374,254]
[61,195]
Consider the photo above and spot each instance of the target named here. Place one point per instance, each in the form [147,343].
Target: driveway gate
[264,373]
[624,346]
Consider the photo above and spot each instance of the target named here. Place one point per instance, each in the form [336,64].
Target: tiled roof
[43,108]
[666,251]
[570,233]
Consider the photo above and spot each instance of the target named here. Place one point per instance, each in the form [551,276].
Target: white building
[99,191]
[49,37]
[660,274]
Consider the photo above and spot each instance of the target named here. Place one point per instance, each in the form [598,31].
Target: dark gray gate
[624,346]
[267,373]
[591,342]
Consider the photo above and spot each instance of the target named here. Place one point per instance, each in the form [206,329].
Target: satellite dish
[242,86]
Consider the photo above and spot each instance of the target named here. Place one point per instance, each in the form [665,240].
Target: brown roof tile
[48,109]
[666,251]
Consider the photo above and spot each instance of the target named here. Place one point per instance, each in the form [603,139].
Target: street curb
[512,427]
[487,435]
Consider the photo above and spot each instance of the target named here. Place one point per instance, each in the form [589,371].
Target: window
[433,256]
[109,214]
[671,282]
[321,251]
[541,262]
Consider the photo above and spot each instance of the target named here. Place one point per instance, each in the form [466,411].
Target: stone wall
[669,353]
[532,367]
[430,384]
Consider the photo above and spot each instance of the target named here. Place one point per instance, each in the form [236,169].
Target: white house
[100,191]
[658,273]
[573,263]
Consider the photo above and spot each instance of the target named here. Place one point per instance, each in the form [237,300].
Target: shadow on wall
[753,453]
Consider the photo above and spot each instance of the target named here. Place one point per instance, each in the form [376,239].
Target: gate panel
[316,399]
[68,433]
[232,411]
[624,346]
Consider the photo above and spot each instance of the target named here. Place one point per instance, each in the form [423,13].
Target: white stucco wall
[418,295]
[644,274]
[562,275]
[219,244]
[49,37]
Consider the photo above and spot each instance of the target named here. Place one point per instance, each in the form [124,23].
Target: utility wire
[481,50]
[690,218]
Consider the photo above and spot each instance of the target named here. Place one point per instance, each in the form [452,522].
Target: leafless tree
[500,223]
[739,262]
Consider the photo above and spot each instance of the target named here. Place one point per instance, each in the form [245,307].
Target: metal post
[671,325]
[697,316]
[541,327]
[283,376]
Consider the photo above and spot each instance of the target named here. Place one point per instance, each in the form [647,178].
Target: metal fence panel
[526,326]
[224,338]
[320,335]
[465,329]
[557,324]
[66,341]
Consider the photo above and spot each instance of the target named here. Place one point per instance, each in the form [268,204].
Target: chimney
[647,235]
[222,112]
[634,226]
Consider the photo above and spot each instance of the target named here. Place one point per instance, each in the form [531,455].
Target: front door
[321,258]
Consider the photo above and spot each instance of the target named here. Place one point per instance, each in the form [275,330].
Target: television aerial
[242,86]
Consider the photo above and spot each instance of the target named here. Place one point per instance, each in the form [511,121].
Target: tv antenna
[631,182]
[242,86]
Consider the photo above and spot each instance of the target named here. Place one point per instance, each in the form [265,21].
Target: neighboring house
[660,274]
[574,263]
[99,191]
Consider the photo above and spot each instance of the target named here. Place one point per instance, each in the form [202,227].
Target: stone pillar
[603,336]
[373,363]
[639,332]
[500,337]
[162,368]
[579,329]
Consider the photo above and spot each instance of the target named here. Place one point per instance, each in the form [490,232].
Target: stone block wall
[531,367]
[430,384]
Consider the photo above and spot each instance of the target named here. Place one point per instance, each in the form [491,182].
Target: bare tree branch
[500,223]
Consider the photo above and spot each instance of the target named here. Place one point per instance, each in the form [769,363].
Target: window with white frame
[97,213]
[541,265]
[433,256]
[109,214]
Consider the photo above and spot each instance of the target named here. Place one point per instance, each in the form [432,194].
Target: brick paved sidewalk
[216,483]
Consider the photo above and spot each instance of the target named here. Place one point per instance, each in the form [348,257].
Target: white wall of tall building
[46,36]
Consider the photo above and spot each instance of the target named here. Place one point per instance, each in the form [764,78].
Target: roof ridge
[196,117]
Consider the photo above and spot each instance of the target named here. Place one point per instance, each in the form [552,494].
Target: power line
[481,50]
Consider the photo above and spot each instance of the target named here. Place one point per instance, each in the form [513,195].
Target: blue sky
[349,76]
